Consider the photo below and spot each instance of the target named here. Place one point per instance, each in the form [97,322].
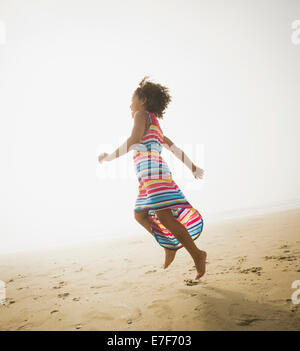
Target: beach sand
[119,284]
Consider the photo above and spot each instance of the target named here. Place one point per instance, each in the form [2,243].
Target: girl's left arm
[168,144]
[135,137]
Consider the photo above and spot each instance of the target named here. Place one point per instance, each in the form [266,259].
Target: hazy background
[67,73]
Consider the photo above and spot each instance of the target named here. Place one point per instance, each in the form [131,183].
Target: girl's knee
[140,216]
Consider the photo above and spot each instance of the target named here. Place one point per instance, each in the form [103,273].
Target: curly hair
[157,96]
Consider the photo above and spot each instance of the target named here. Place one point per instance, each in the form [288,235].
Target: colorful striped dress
[157,189]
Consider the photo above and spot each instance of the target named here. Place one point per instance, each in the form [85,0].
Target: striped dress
[157,189]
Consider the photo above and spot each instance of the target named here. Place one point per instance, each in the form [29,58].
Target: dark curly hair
[157,96]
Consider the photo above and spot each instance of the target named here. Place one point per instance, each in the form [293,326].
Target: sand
[121,285]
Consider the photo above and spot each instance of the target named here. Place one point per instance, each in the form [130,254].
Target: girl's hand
[102,157]
[198,172]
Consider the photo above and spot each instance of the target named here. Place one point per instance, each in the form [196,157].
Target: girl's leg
[142,218]
[181,234]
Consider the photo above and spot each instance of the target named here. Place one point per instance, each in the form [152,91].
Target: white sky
[67,73]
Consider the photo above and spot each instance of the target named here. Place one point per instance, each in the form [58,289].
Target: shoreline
[208,219]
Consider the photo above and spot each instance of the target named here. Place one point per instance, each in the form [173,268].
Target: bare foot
[169,257]
[200,263]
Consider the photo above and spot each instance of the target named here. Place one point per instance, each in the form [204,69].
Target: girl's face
[136,105]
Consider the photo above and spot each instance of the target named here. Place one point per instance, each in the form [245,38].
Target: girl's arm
[168,144]
[135,137]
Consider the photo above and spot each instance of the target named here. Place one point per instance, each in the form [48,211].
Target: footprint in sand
[59,286]
[132,315]
[281,258]
[191,282]
[76,299]
[242,259]
[256,270]
[9,301]
[247,320]
[63,296]
[98,286]
[151,271]
[26,326]
[199,307]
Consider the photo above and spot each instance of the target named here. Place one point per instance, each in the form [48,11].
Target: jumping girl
[161,207]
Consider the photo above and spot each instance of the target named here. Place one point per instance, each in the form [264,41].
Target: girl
[161,207]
